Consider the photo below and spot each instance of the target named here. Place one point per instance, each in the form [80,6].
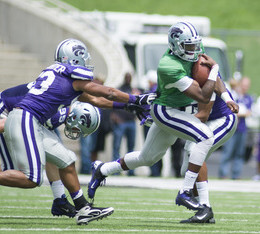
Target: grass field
[136,211]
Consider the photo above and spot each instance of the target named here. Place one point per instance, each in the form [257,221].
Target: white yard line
[175,184]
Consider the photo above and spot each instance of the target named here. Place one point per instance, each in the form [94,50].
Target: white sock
[203,191]
[111,168]
[57,188]
[189,181]
[77,194]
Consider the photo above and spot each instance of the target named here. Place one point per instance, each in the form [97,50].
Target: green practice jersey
[170,70]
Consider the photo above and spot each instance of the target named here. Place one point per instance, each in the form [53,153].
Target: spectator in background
[104,128]
[233,88]
[100,137]
[256,177]
[176,148]
[151,78]
[177,151]
[234,148]
[123,123]
[86,144]
[91,144]
[256,116]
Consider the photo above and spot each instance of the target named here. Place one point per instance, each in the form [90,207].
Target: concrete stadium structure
[38,26]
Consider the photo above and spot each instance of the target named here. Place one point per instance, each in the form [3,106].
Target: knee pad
[200,151]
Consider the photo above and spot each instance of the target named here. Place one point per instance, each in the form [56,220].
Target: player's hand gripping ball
[200,72]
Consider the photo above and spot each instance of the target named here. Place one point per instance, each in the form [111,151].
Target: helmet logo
[175,32]
[85,120]
[78,50]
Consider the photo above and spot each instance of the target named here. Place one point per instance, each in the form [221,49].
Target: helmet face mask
[83,120]
[184,41]
[73,52]
[72,132]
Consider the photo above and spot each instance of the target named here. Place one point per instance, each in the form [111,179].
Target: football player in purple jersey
[223,122]
[8,98]
[73,129]
[11,96]
[56,87]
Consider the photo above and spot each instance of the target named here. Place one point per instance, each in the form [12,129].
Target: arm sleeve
[81,73]
[175,78]
[183,83]
[57,119]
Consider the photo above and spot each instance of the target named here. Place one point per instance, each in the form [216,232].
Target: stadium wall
[37,27]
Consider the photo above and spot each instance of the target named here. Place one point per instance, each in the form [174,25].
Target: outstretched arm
[141,111]
[98,90]
[100,102]
[112,94]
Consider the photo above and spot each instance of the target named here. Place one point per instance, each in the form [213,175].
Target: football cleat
[61,206]
[96,179]
[188,200]
[203,215]
[88,214]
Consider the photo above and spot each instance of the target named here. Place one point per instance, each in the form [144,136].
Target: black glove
[140,111]
[143,99]
[135,109]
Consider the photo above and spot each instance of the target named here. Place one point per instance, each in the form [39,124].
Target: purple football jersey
[57,119]
[13,95]
[219,108]
[247,100]
[53,90]
[10,97]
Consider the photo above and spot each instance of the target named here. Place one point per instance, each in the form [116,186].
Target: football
[200,73]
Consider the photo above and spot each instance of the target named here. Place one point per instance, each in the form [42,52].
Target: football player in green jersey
[172,112]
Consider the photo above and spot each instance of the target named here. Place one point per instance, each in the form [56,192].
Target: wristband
[213,73]
[226,97]
[118,105]
[132,98]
